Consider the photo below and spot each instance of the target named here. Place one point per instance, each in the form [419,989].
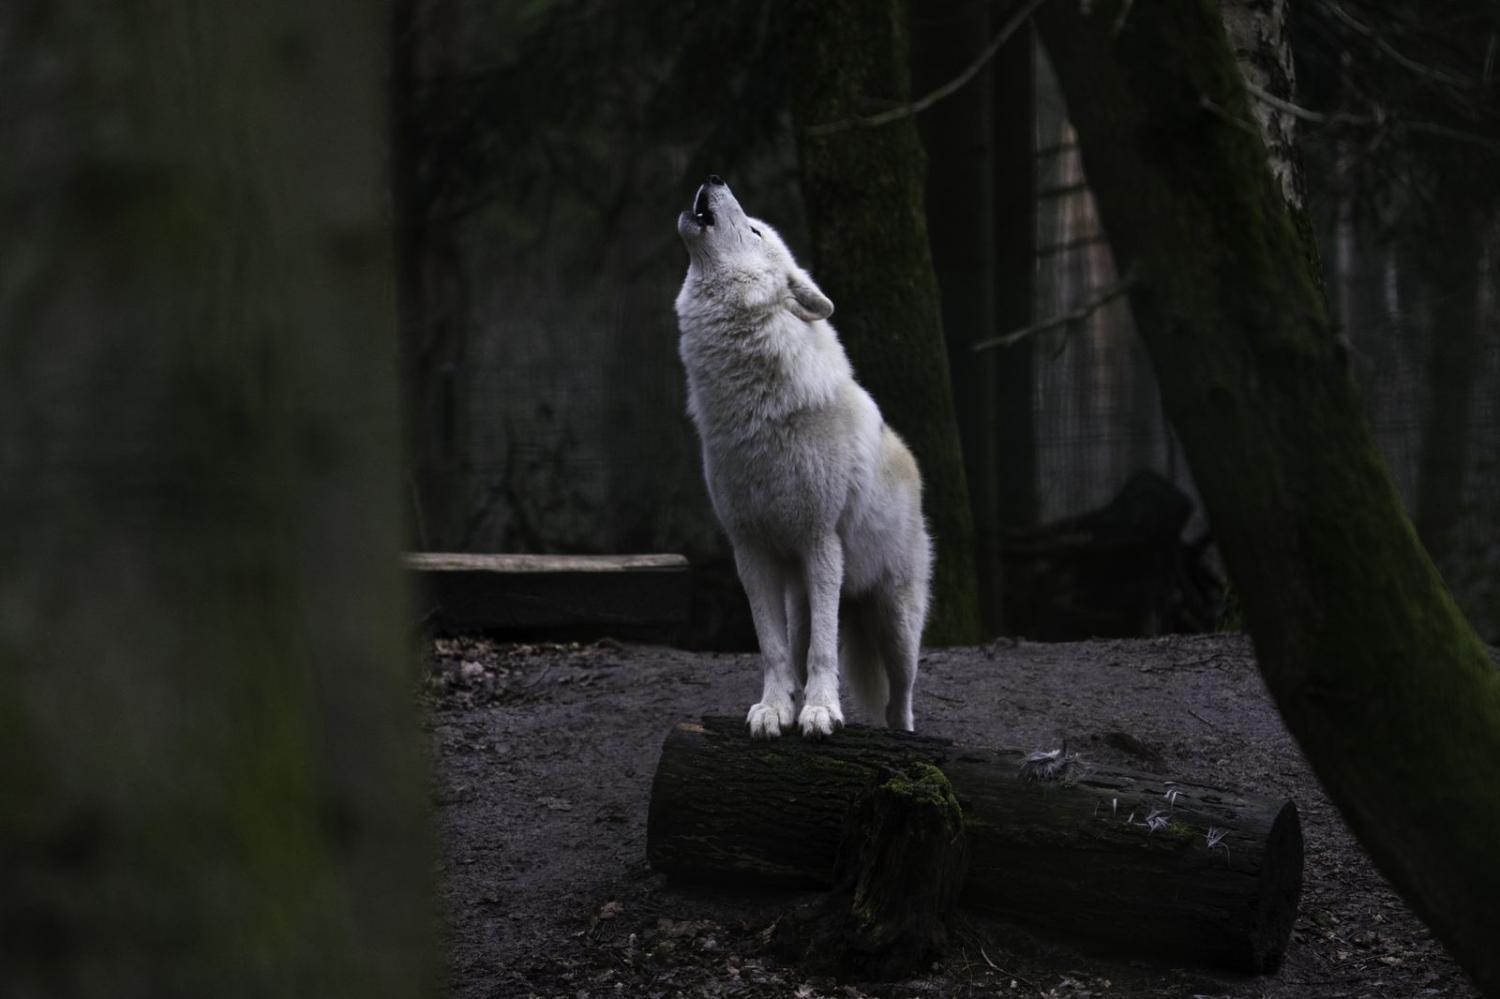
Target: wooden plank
[470,562]
[553,595]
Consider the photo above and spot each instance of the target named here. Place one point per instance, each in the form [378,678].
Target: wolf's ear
[807,303]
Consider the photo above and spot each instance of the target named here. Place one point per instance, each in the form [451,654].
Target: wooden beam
[621,594]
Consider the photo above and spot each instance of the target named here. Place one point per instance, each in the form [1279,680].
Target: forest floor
[543,758]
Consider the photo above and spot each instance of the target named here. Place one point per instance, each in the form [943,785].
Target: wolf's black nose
[716,180]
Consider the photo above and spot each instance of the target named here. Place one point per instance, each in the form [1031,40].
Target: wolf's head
[731,250]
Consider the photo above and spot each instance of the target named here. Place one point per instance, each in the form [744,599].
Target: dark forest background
[543,150]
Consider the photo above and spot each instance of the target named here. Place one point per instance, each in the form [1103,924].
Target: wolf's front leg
[765,584]
[823,568]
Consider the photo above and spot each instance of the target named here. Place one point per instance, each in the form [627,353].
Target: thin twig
[1297,111]
[1208,104]
[928,100]
[1007,974]
[1075,315]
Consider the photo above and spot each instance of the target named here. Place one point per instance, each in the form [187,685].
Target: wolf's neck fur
[755,369]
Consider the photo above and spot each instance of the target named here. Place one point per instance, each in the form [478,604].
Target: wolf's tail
[860,659]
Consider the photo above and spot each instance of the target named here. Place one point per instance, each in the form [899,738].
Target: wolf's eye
[757,232]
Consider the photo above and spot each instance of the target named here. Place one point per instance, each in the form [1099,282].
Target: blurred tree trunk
[1453,362]
[1387,689]
[431,290]
[947,36]
[211,783]
[863,190]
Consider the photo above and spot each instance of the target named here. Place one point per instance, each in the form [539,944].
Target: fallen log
[1125,861]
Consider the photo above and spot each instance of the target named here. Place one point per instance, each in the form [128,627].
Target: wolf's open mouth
[701,213]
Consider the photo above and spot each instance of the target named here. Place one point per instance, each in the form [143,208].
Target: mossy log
[1127,862]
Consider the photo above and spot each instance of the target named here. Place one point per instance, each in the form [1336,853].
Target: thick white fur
[820,499]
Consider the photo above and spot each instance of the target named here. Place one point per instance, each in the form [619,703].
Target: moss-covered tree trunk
[863,190]
[947,36]
[211,784]
[1375,671]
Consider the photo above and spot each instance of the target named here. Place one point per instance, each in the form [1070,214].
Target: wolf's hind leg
[900,612]
[764,580]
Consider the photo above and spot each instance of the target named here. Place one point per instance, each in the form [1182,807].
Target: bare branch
[948,89]
[1208,104]
[1421,69]
[1072,317]
[1344,118]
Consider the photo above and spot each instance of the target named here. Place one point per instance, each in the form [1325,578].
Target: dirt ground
[543,762]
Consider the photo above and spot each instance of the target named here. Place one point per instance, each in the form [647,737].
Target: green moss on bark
[1372,666]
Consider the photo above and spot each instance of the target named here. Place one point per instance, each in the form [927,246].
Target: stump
[1125,861]
[896,880]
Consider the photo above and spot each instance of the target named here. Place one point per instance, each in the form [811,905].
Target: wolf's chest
[783,479]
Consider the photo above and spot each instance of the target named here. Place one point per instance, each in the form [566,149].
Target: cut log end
[1279,891]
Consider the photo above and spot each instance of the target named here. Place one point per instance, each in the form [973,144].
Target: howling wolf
[820,499]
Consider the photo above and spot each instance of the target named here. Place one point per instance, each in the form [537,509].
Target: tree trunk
[1118,859]
[863,190]
[900,867]
[947,36]
[211,783]
[1376,673]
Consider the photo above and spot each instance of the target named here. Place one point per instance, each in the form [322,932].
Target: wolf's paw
[819,721]
[766,720]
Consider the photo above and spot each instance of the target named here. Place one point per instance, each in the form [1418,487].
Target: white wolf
[820,499]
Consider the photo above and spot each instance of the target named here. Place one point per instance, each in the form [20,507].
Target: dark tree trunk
[1075,855]
[900,868]
[212,783]
[1378,676]
[863,190]
[948,36]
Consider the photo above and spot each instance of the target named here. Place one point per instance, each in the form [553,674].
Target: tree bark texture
[1259,33]
[1378,676]
[956,134]
[212,784]
[900,868]
[1117,859]
[863,189]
